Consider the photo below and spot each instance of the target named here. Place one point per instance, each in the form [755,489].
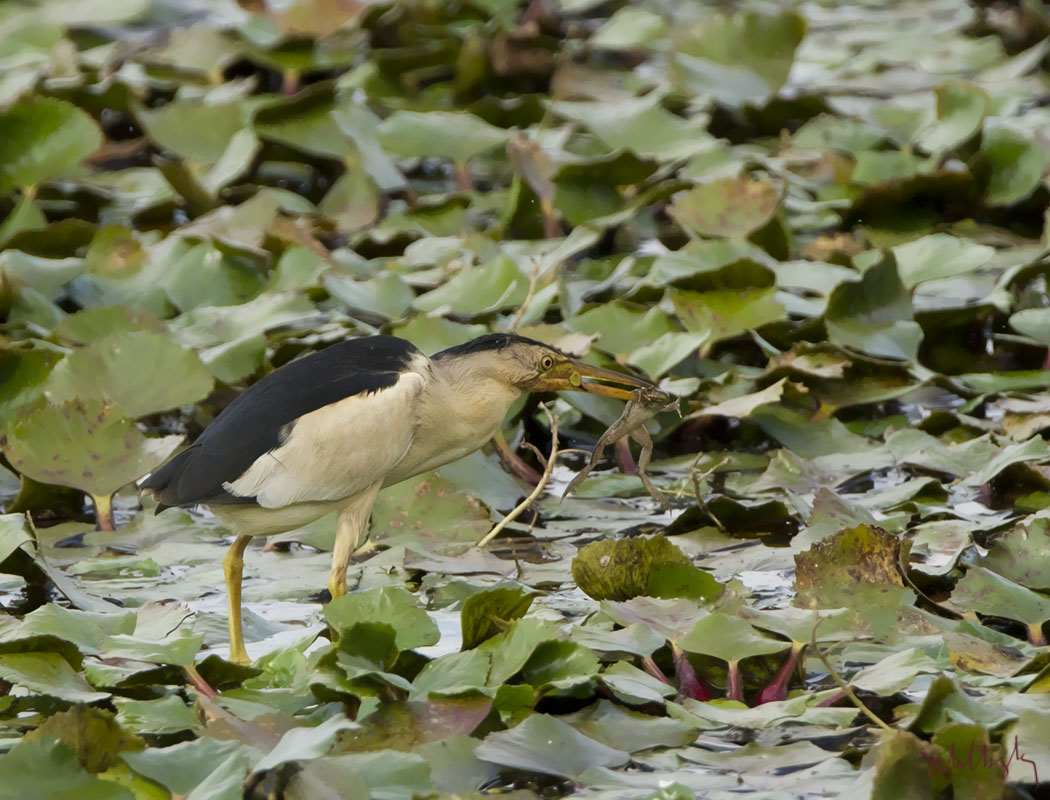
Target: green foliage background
[821,225]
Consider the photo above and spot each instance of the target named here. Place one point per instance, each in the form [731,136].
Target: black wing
[260,418]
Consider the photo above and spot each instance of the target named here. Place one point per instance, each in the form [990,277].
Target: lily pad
[455,135]
[387,604]
[549,746]
[874,315]
[730,207]
[84,444]
[42,138]
[142,372]
[1017,164]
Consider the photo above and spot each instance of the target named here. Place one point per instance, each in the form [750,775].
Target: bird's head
[532,366]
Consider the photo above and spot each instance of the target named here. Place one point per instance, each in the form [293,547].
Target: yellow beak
[571,375]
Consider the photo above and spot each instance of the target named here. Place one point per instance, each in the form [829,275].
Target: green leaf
[488,612]
[443,134]
[939,256]
[984,591]
[84,444]
[1034,322]
[557,661]
[185,766]
[1016,163]
[168,714]
[511,650]
[961,107]
[683,580]
[142,372]
[621,327]
[729,207]
[179,648]
[632,731]
[550,746]
[42,138]
[49,674]
[46,767]
[193,130]
[640,125]
[726,312]
[1021,554]
[90,324]
[14,533]
[387,604]
[729,638]
[874,315]
[386,295]
[496,285]
[302,744]
[453,673]
[23,374]
[628,29]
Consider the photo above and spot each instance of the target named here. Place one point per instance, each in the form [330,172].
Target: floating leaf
[874,315]
[729,638]
[730,207]
[550,746]
[857,569]
[939,256]
[488,612]
[41,138]
[1017,164]
[142,372]
[84,444]
[445,134]
[49,674]
[387,604]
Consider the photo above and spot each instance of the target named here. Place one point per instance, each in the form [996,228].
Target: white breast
[338,450]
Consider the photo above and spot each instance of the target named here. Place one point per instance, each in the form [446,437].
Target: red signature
[979,756]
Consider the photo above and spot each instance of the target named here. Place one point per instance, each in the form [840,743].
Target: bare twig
[843,686]
[514,513]
[697,477]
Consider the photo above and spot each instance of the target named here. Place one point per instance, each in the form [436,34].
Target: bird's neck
[460,410]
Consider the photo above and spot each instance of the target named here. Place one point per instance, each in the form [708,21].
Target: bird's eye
[546,362]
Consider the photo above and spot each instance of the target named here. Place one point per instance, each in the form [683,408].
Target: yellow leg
[233,566]
[353,521]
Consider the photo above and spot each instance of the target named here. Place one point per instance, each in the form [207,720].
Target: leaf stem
[103,512]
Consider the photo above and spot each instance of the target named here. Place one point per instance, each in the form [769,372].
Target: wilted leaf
[857,569]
